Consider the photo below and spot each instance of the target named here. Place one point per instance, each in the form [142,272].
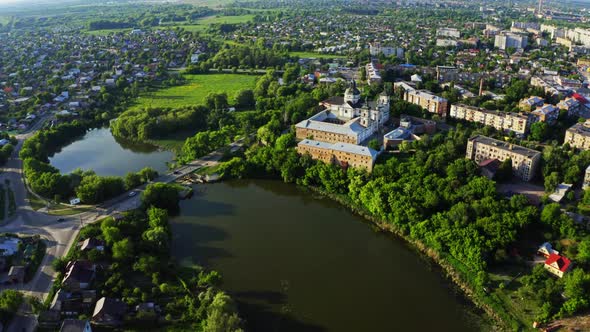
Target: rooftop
[530,153]
[344,147]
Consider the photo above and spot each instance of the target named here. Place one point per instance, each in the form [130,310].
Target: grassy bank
[195,90]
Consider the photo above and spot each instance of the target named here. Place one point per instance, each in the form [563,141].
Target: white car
[133,193]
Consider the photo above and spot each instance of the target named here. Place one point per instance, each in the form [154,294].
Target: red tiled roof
[562,261]
[580,98]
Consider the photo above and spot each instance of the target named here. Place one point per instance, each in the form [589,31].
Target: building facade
[423,98]
[341,154]
[525,162]
[571,105]
[348,120]
[578,136]
[508,39]
[515,122]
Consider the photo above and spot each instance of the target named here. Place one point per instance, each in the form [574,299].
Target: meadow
[316,55]
[194,91]
[204,23]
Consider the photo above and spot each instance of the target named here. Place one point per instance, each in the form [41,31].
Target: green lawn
[105,32]
[195,90]
[173,142]
[204,23]
[316,55]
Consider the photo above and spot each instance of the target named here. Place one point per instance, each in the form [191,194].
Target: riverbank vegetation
[436,199]
[48,182]
[137,268]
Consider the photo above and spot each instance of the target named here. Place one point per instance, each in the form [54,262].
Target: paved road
[61,235]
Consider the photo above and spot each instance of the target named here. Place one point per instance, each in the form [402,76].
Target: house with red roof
[557,265]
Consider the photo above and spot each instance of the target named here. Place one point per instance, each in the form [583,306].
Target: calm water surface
[100,151]
[296,262]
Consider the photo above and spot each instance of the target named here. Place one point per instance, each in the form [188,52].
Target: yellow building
[524,161]
[423,98]
[578,136]
[516,122]
[342,154]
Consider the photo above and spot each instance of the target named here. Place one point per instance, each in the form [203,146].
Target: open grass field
[316,55]
[195,90]
[105,32]
[205,22]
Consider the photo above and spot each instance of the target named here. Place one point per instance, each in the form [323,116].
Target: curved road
[60,235]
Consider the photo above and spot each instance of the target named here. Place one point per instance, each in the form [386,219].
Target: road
[60,236]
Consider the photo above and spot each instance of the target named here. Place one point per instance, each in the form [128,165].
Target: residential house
[546,113]
[79,275]
[557,265]
[92,243]
[571,105]
[109,312]
[546,249]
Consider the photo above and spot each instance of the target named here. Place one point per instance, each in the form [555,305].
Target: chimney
[481,86]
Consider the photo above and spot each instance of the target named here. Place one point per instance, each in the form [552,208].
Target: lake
[100,151]
[295,261]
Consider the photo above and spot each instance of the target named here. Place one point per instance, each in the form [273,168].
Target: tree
[10,301]
[374,144]
[245,99]
[132,180]
[539,131]
[161,195]
[584,251]
[551,182]
[123,250]
[157,217]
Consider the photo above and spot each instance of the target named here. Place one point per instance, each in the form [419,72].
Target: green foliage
[161,195]
[123,250]
[10,301]
[539,131]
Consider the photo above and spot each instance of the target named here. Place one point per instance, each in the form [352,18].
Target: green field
[195,90]
[316,55]
[205,22]
[105,32]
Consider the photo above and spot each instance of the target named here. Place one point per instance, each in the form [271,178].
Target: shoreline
[448,271]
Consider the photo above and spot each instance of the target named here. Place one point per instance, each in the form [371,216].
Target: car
[176,172]
[61,219]
[133,193]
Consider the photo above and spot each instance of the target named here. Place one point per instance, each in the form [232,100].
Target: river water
[100,151]
[299,262]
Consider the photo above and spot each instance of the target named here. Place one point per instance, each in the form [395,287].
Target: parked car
[133,193]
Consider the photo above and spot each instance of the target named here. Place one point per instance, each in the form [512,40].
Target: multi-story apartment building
[515,122]
[342,154]
[578,135]
[423,98]
[530,103]
[448,32]
[571,105]
[505,40]
[377,48]
[525,162]
[546,113]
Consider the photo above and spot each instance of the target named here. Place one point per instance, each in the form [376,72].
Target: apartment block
[423,98]
[546,113]
[515,122]
[571,105]
[341,154]
[578,136]
[525,162]
[508,39]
